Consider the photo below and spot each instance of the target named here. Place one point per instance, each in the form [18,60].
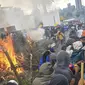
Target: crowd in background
[62,68]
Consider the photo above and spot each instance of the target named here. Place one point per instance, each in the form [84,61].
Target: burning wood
[4,63]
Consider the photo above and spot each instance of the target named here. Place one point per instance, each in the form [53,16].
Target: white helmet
[12,82]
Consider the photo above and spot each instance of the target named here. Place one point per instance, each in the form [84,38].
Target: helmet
[12,82]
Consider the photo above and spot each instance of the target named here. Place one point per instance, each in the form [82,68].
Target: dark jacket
[59,79]
[62,65]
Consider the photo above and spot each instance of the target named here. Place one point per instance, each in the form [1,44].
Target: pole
[12,66]
[31,56]
[82,73]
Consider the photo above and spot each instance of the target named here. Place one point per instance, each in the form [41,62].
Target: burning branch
[12,65]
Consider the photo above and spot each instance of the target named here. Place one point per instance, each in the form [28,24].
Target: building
[78,5]
[10,16]
[51,18]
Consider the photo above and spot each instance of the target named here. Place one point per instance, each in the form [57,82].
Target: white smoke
[15,16]
[28,5]
[36,35]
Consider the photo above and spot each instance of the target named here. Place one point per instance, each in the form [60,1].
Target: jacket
[44,75]
[62,65]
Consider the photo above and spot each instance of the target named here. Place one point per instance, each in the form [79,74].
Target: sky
[27,5]
[63,3]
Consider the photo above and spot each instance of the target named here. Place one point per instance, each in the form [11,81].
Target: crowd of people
[63,68]
[55,33]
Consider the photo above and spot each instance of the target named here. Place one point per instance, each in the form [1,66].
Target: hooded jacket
[62,65]
[44,75]
[59,80]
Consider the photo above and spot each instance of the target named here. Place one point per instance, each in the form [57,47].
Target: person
[65,28]
[79,33]
[83,37]
[53,58]
[3,36]
[62,65]
[44,58]
[69,42]
[44,76]
[73,34]
[12,82]
[77,54]
[59,79]
[47,33]
[60,36]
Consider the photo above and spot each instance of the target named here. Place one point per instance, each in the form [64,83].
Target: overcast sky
[27,5]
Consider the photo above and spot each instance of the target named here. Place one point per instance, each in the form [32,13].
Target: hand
[72,81]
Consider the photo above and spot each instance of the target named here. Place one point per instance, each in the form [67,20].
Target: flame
[4,63]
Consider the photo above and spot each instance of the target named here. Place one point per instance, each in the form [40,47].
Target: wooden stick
[82,73]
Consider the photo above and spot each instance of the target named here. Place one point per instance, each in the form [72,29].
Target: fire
[4,63]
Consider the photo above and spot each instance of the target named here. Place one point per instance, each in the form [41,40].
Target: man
[44,75]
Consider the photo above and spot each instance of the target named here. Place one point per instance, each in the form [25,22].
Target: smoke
[28,5]
[36,35]
[14,16]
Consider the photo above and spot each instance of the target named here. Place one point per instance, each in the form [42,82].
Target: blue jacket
[41,60]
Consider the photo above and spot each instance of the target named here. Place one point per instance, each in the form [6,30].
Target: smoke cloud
[28,5]
[36,35]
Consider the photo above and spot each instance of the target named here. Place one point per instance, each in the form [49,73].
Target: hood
[63,59]
[46,68]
